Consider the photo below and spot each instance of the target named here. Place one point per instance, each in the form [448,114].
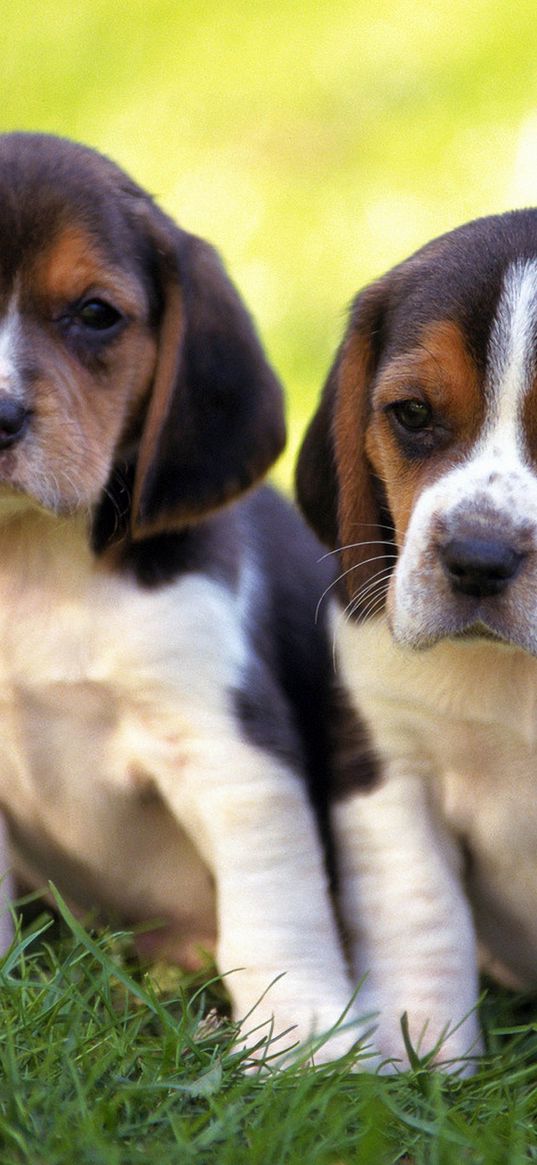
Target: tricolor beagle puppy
[420,466]
[162,681]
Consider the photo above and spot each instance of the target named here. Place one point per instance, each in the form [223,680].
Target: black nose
[480,566]
[13,418]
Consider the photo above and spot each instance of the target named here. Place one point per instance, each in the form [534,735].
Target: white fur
[454,730]
[494,489]
[9,332]
[511,353]
[110,694]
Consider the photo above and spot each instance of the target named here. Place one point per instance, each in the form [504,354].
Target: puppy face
[77,357]
[124,349]
[421,463]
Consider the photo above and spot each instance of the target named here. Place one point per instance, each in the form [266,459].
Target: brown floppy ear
[336,487]
[214,422]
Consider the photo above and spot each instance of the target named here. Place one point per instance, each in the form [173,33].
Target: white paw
[291,1032]
[413,1041]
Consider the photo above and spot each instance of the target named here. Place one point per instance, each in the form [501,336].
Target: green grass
[315,145]
[103,1064]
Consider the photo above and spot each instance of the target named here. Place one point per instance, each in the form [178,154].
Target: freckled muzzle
[468,562]
[468,565]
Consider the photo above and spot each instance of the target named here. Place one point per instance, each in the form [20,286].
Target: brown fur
[180,392]
[440,371]
[419,332]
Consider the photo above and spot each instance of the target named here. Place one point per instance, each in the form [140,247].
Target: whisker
[373,609]
[377,588]
[367,561]
[375,605]
[381,576]
[380,588]
[359,545]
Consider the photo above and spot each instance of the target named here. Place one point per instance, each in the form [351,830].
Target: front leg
[278,946]
[407,919]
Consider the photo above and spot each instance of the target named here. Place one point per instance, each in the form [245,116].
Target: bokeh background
[314,144]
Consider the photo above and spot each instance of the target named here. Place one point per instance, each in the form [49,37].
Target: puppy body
[149,751]
[420,465]
[158,656]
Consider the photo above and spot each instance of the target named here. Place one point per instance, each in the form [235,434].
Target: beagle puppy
[420,467]
[162,680]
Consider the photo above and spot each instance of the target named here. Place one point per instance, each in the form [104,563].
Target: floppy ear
[214,423]
[336,487]
[317,485]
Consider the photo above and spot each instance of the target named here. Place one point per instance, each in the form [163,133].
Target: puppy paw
[411,1042]
[294,1034]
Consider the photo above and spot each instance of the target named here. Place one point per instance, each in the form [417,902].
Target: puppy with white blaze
[420,469]
[164,690]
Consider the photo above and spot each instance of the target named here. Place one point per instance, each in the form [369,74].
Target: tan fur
[440,371]
[78,417]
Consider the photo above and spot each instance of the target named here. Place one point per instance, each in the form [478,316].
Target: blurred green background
[314,145]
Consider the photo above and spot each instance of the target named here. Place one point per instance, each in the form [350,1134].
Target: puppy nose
[13,417]
[480,566]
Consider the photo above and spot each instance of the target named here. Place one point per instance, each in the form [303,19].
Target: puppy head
[122,344]
[420,464]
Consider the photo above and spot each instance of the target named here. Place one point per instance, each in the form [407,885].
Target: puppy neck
[36,545]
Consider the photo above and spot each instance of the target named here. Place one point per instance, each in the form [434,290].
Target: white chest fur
[463,718]
[127,778]
[105,690]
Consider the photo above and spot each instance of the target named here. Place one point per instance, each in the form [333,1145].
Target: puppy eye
[412,415]
[97,315]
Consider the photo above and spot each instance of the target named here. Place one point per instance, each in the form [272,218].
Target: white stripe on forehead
[9,326]
[511,365]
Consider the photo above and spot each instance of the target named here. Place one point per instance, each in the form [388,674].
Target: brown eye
[97,315]
[412,415]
